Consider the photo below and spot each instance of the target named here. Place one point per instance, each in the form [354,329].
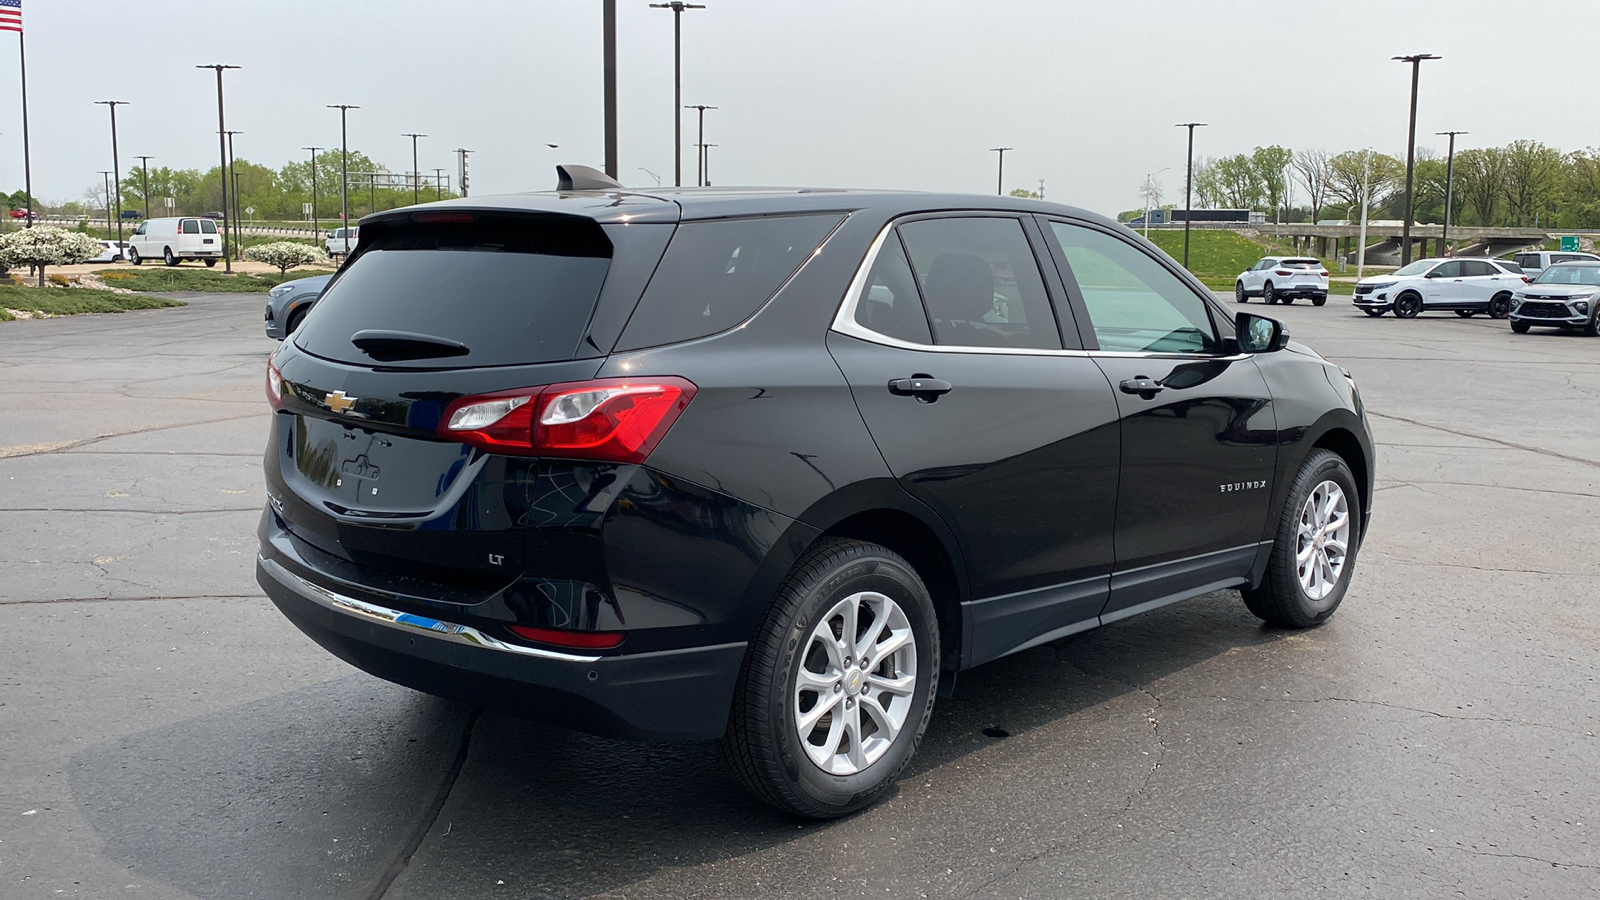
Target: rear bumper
[665,695]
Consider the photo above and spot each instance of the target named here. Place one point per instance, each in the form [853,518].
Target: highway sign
[1569,243]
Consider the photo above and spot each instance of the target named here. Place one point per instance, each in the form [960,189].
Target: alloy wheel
[1322,540]
[853,690]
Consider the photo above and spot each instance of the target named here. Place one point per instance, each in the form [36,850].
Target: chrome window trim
[844,322]
[383,615]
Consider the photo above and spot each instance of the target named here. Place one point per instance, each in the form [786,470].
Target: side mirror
[1259,334]
[1433,274]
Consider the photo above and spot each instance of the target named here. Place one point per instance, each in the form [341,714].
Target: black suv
[770,467]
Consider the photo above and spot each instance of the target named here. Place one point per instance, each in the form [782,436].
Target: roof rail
[584,178]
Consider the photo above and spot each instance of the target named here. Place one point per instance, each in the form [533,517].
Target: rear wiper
[387,346]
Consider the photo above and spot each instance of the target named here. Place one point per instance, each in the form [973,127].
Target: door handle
[1143,386]
[921,387]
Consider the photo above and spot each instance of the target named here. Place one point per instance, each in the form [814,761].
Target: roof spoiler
[584,178]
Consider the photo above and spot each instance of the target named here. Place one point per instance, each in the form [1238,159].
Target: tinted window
[1134,302]
[1528,259]
[1302,264]
[1565,257]
[208,227]
[981,284]
[190,226]
[717,274]
[513,290]
[1511,267]
[890,304]
[1569,275]
[1450,269]
[1474,268]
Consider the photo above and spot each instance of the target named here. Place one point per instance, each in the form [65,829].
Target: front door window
[1135,304]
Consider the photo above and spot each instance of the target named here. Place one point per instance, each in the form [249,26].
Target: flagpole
[27,163]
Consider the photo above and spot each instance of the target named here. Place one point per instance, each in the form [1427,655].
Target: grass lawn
[70,301]
[1216,257]
[161,278]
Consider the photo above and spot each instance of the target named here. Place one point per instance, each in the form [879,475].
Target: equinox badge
[339,402]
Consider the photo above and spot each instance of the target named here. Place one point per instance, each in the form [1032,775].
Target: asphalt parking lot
[165,733]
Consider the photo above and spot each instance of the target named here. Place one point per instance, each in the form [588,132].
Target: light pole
[1150,197]
[677,7]
[116,165]
[344,171]
[222,154]
[700,177]
[652,175]
[1411,150]
[1188,188]
[1449,187]
[316,226]
[608,37]
[461,170]
[144,165]
[1000,175]
[438,184]
[705,161]
[1366,196]
[416,173]
[232,212]
[107,174]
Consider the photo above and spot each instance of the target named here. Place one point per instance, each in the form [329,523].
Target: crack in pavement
[1538,859]
[58,446]
[140,512]
[1425,712]
[1389,557]
[131,599]
[1479,437]
[430,816]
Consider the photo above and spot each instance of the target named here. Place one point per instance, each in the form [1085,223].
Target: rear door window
[890,304]
[1475,268]
[981,283]
[514,290]
[189,226]
[717,273]
[208,227]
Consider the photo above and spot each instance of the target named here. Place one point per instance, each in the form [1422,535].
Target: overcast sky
[854,93]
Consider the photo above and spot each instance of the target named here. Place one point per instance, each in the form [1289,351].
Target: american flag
[11,15]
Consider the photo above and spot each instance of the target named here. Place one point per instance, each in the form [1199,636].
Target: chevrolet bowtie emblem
[339,402]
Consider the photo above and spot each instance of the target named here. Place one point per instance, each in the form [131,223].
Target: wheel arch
[1339,438]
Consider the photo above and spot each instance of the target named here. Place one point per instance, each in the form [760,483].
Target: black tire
[1500,306]
[211,263]
[134,257]
[1319,300]
[1238,292]
[1286,300]
[1268,295]
[166,255]
[1374,312]
[1407,305]
[1522,327]
[1591,327]
[1466,313]
[295,318]
[762,744]
[1281,599]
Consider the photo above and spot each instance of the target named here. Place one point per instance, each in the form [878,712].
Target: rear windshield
[513,290]
[191,226]
[717,273]
[1301,264]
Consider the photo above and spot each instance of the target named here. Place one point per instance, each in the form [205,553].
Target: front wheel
[1238,292]
[1406,306]
[1466,313]
[133,256]
[1522,327]
[1314,549]
[1500,306]
[1591,327]
[1373,312]
[837,688]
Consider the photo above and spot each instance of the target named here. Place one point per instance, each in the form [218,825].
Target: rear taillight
[274,386]
[1527,280]
[1284,272]
[1323,273]
[609,419]
[579,640]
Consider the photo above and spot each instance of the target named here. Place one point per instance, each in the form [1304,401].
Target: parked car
[213,215]
[1465,285]
[132,214]
[113,251]
[772,467]
[174,240]
[1283,278]
[1533,262]
[337,246]
[1563,296]
[288,303]
[24,214]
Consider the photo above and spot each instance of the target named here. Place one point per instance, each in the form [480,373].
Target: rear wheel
[838,686]
[1500,306]
[1269,295]
[1407,305]
[1466,313]
[1319,300]
[1239,294]
[1522,327]
[166,254]
[211,263]
[1314,550]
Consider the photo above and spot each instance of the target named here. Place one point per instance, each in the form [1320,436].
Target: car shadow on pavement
[314,793]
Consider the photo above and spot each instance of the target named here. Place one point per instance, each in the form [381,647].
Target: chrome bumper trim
[410,622]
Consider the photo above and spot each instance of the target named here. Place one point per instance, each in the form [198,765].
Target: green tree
[1532,181]
[1271,168]
[1312,167]
[1355,174]
[1480,177]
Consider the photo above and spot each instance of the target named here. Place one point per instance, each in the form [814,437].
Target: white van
[335,244]
[175,240]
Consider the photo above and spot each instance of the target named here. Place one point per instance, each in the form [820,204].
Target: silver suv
[1563,296]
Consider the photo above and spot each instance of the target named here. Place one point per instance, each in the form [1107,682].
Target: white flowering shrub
[45,245]
[283,254]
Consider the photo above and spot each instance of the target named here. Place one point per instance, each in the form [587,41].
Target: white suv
[1283,278]
[1464,285]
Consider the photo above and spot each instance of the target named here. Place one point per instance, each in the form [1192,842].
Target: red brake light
[443,216]
[1526,280]
[581,640]
[274,386]
[1323,273]
[610,419]
[1284,272]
